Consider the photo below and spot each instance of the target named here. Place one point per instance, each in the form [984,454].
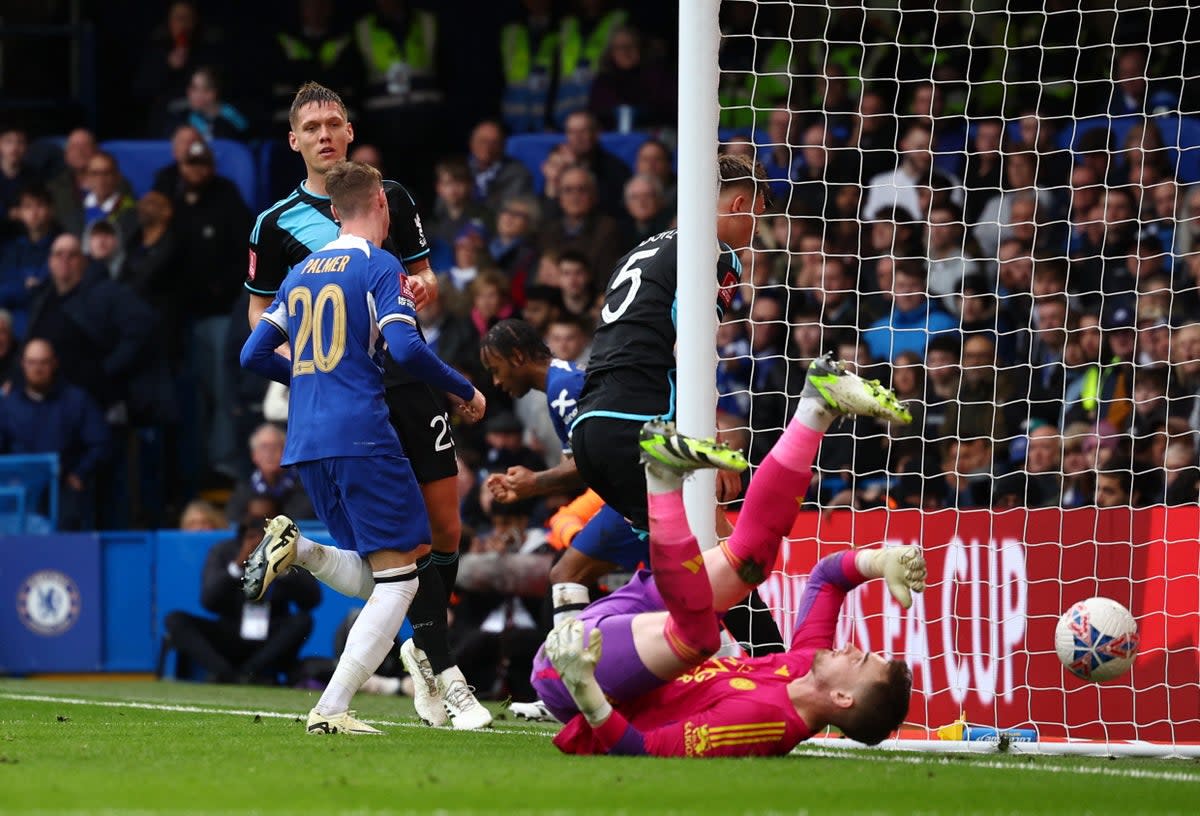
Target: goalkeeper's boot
[664,446]
[534,712]
[466,713]
[847,393]
[427,700]
[271,558]
[344,723]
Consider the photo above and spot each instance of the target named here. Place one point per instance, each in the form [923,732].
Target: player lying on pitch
[654,689]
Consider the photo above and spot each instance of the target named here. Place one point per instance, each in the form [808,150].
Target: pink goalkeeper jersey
[728,706]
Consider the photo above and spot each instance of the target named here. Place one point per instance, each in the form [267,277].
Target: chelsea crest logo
[48,602]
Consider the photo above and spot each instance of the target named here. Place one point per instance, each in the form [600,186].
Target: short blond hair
[351,185]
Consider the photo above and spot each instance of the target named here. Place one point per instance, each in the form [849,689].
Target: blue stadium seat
[140,159]
[624,146]
[12,510]
[1119,126]
[280,169]
[37,475]
[236,163]
[1182,134]
[531,149]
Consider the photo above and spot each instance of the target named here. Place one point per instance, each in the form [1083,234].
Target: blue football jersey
[564,381]
[332,307]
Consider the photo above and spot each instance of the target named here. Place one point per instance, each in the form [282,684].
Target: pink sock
[797,448]
[692,630]
[772,501]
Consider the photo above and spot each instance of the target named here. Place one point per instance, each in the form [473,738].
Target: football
[1096,639]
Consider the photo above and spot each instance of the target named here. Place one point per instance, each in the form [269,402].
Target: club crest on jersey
[253,265]
[406,293]
[725,291]
[695,739]
[48,602]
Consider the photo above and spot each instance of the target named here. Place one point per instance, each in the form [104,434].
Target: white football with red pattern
[1096,639]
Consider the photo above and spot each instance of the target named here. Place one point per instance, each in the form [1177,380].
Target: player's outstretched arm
[837,574]
[409,350]
[258,353]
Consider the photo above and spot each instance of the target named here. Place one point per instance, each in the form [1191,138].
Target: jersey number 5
[313,322]
[631,273]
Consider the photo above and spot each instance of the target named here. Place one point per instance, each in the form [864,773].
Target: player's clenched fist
[499,488]
[472,411]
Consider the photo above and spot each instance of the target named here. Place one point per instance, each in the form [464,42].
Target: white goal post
[997,212]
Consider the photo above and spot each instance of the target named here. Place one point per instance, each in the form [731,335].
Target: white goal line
[1116,748]
[844,751]
[230,712]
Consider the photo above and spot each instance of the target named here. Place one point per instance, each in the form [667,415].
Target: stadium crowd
[1009,241]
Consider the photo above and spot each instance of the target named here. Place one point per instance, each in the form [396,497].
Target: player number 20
[631,274]
[313,322]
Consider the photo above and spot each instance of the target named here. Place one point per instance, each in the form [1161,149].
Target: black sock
[447,567]
[427,614]
[752,626]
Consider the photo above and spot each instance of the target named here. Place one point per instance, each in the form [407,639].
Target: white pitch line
[1094,770]
[232,712]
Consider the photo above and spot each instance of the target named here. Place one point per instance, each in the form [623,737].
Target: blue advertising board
[51,610]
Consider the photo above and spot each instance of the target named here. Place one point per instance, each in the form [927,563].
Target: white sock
[662,480]
[815,413]
[307,550]
[449,676]
[569,600]
[341,570]
[370,639]
[378,684]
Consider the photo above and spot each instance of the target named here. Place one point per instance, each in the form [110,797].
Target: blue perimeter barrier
[89,602]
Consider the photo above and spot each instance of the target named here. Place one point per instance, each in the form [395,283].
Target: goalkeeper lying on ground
[654,689]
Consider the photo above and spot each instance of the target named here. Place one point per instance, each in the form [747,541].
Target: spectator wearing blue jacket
[913,319]
[107,338]
[23,258]
[207,111]
[1133,94]
[43,414]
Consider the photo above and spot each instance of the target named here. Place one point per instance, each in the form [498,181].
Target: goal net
[995,211]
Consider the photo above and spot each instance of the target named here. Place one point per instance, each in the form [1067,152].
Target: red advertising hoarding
[981,637]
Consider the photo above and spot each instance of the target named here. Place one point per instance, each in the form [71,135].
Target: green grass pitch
[144,747]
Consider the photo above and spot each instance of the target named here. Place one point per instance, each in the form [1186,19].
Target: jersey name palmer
[319,266]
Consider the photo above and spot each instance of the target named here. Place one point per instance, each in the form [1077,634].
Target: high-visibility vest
[326,54]
[578,60]
[398,74]
[527,76]
[747,100]
[1105,389]
[997,85]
